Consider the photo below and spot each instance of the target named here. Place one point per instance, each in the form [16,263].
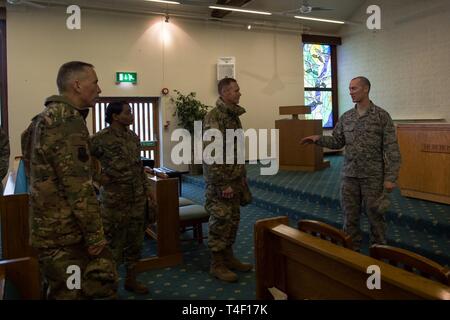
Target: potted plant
[188,109]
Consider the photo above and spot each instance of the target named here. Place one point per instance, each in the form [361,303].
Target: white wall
[268,64]
[407,61]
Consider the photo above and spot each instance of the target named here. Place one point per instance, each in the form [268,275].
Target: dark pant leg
[234,223]
[113,219]
[134,232]
[220,220]
[351,206]
[372,194]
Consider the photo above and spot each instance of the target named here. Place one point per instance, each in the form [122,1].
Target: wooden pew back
[411,262]
[15,226]
[22,267]
[23,273]
[307,267]
[326,232]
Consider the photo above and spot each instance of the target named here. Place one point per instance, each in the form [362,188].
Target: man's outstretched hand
[309,140]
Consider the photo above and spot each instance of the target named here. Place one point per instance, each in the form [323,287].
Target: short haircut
[67,70]
[364,80]
[225,82]
[114,108]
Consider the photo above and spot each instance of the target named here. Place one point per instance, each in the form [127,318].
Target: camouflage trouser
[123,223]
[223,221]
[98,275]
[363,195]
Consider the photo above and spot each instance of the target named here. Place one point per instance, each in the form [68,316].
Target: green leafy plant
[188,109]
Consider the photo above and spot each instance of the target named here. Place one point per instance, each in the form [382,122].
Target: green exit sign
[126,77]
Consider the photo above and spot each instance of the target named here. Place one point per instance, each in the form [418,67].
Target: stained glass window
[318,82]
[321,106]
[317,65]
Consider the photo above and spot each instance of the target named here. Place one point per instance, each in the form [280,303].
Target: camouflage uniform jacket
[371,148]
[119,153]
[223,117]
[63,206]
[4,153]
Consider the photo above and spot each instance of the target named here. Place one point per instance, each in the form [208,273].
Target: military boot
[219,270]
[131,284]
[233,263]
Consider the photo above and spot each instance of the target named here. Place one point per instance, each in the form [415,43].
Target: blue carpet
[416,225]
[413,224]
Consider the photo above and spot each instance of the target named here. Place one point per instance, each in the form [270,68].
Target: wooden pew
[20,265]
[15,228]
[15,225]
[307,267]
[23,273]
[167,233]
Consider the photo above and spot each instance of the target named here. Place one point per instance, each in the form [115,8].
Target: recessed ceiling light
[240,10]
[321,20]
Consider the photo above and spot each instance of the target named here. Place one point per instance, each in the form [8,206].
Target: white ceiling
[198,9]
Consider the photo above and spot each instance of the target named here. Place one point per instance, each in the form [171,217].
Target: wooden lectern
[294,156]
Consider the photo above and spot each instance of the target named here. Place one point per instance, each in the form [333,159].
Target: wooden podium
[294,156]
[425,167]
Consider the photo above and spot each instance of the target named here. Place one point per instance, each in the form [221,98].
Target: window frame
[4,75]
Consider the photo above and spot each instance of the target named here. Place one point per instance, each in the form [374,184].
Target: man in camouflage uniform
[65,222]
[124,189]
[371,163]
[225,185]
[4,156]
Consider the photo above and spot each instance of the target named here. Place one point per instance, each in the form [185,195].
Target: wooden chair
[23,274]
[326,232]
[411,262]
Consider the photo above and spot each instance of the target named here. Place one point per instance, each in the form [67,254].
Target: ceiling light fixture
[321,20]
[249,26]
[166,20]
[240,10]
[162,1]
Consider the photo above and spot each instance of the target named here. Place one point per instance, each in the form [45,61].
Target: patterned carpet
[191,280]
[416,225]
